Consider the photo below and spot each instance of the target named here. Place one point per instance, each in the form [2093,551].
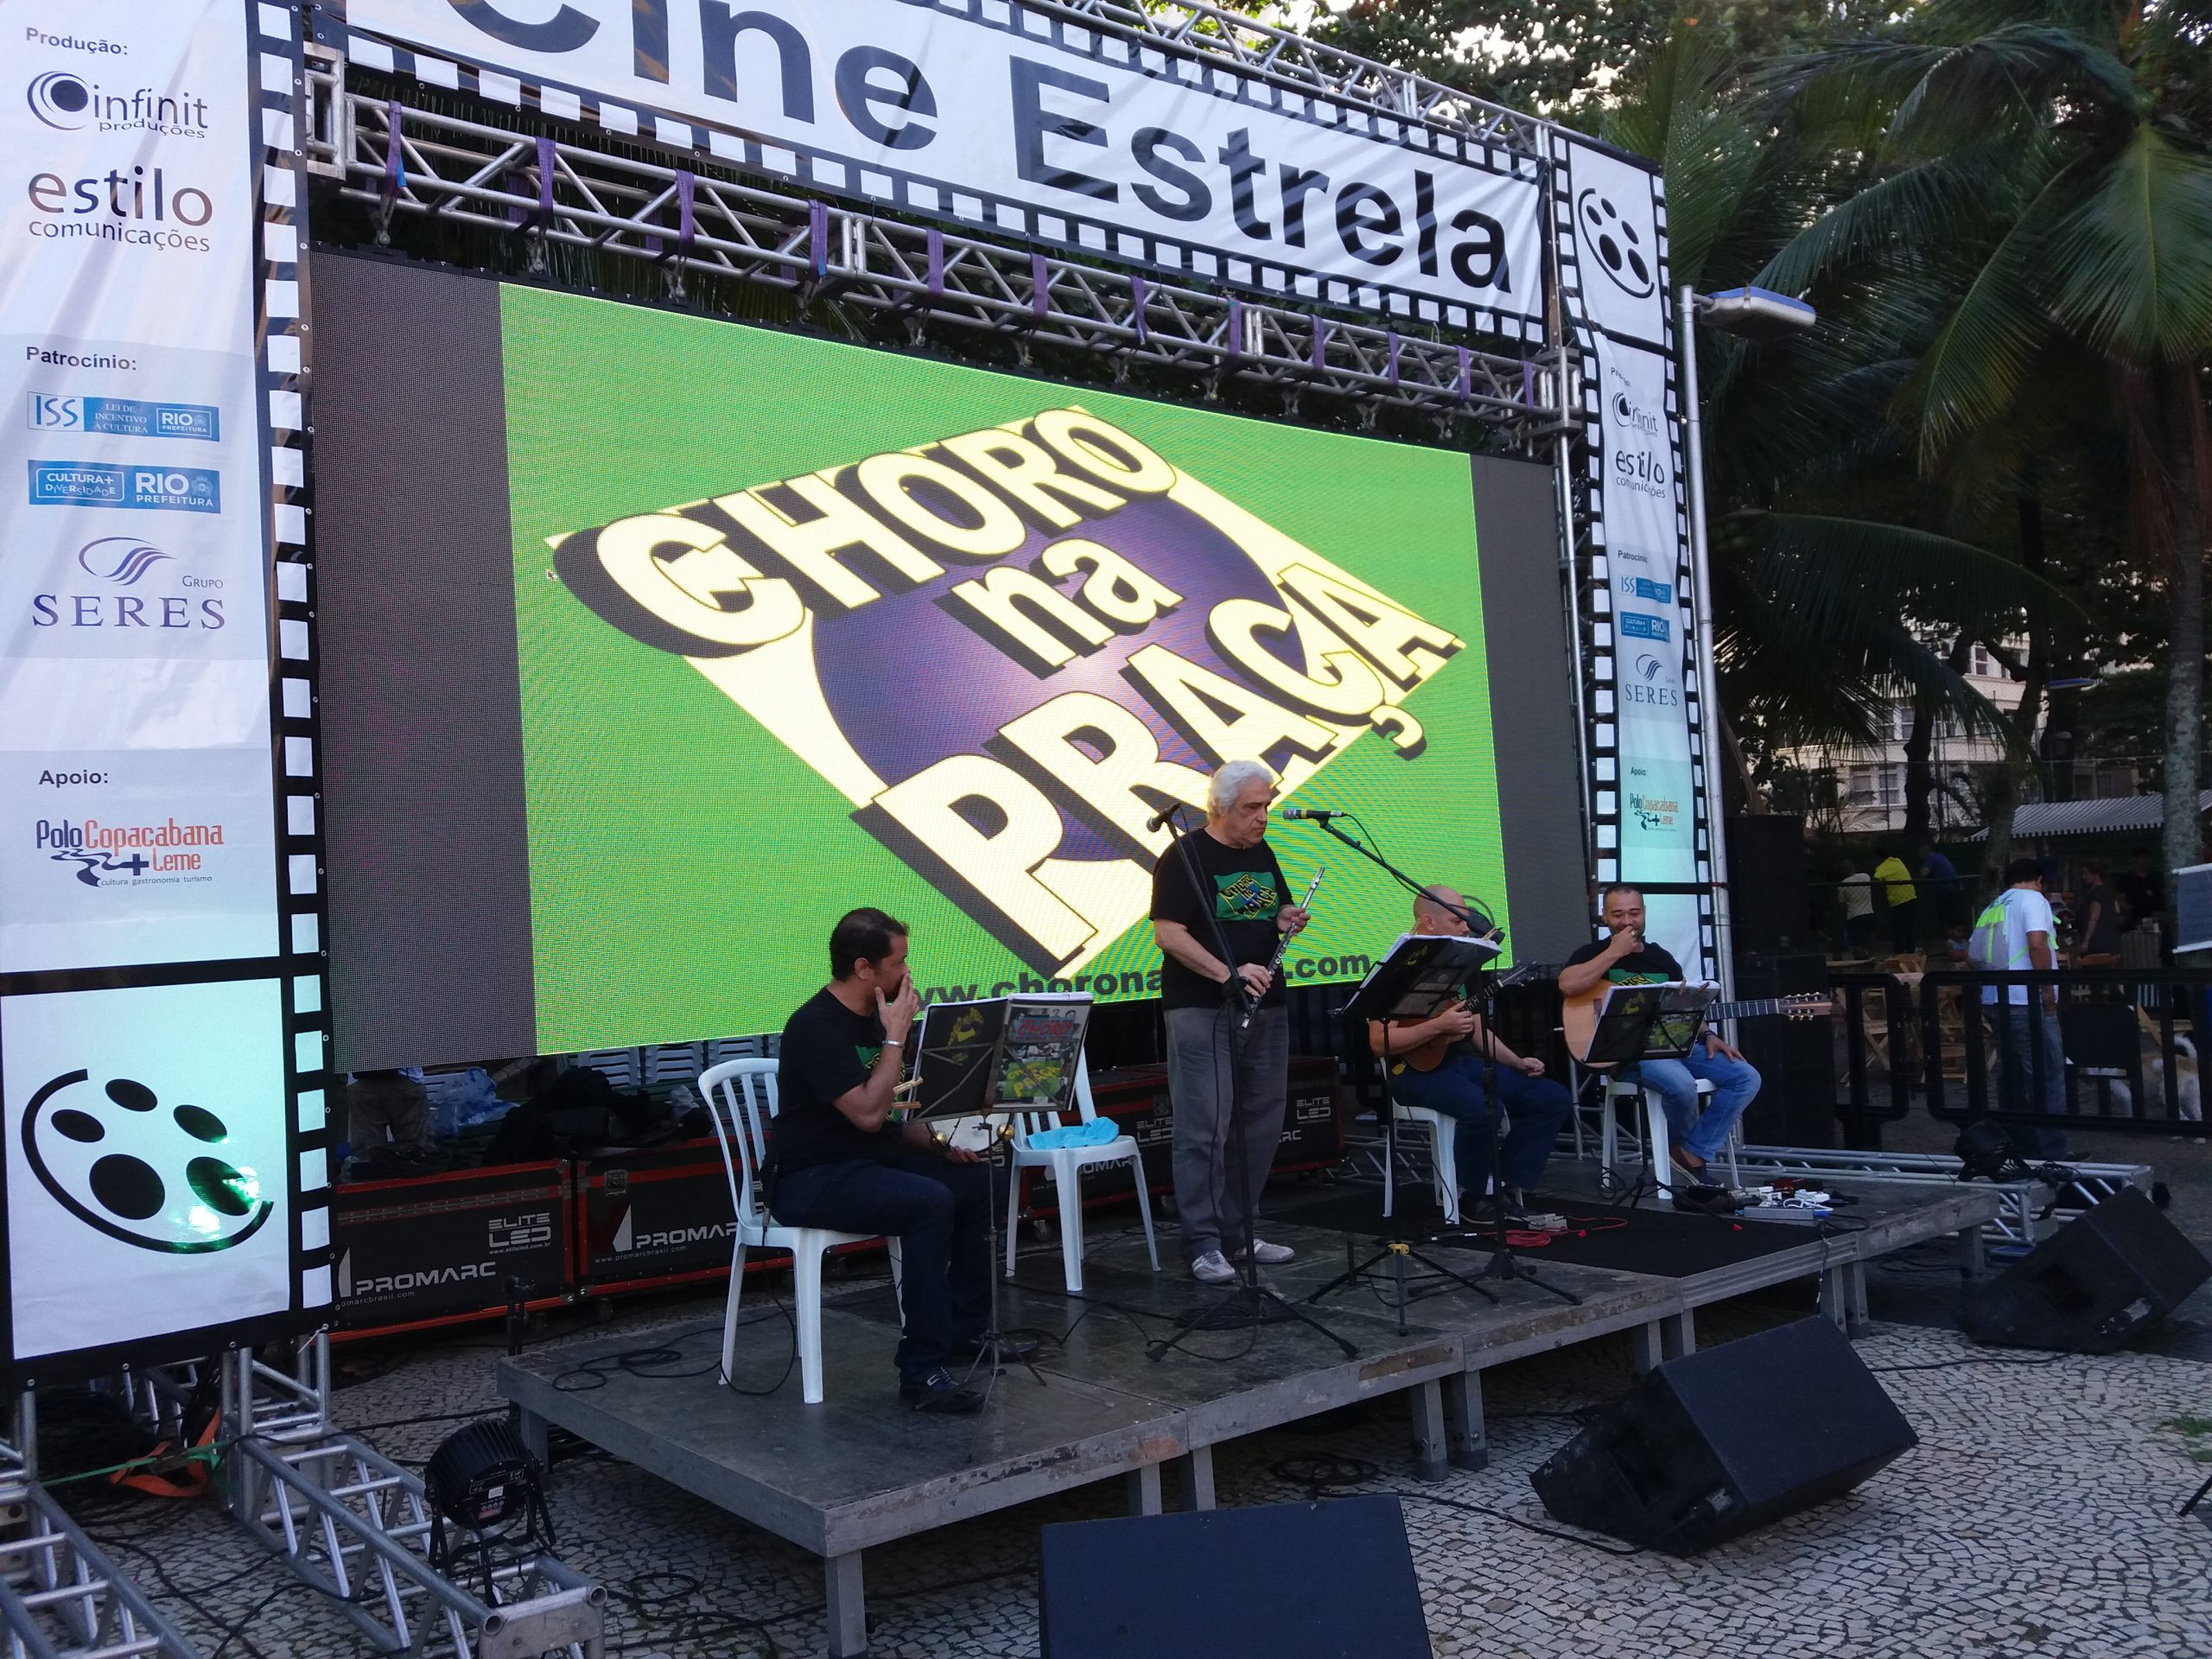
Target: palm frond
[2130,266]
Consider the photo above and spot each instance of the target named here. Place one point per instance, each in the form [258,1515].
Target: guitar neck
[1753,1009]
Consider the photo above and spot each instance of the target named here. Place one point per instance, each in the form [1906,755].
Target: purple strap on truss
[684,224]
[1466,373]
[936,242]
[1528,384]
[1391,373]
[395,164]
[545,160]
[1137,293]
[1318,354]
[817,238]
[1040,280]
[1235,329]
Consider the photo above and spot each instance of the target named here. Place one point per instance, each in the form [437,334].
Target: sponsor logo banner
[123,417]
[146,1161]
[984,116]
[161,489]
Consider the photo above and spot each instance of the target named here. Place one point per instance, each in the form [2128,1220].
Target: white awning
[2049,820]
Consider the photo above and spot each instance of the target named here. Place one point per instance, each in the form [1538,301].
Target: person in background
[1857,892]
[2096,942]
[2142,891]
[1943,878]
[1904,899]
[2014,935]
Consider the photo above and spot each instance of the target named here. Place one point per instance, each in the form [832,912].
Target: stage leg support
[1145,1497]
[848,1606]
[1678,1334]
[1194,1474]
[1856,1321]
[1462,1420]
[1835,1298]
[1972,1262]
[1432,1442]
[537,1436]
[1644,1349]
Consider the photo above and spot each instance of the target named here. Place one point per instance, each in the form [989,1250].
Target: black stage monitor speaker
[1768,903]
[1331,1580]
[1713,1445]
[2091,1285]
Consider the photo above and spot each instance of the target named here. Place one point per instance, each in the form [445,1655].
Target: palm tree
[2044,169]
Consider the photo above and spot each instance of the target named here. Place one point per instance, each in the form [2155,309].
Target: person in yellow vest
[1904,899]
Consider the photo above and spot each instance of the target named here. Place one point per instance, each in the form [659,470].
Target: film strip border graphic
[915,193]
[315,1094]
[1591,573]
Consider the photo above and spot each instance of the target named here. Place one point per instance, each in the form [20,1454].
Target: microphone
[1316,814]
[1162,816]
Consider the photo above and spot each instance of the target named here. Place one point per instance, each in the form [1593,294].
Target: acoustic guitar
[1579,1015]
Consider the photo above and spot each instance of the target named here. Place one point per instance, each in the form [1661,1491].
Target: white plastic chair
[1613,1089]
[1443,1136]
[740,1097]
[1067,1164]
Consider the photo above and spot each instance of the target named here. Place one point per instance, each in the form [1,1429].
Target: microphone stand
[1252,1303]
[1504,1263]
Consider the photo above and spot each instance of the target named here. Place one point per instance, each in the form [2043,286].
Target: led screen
[802,625]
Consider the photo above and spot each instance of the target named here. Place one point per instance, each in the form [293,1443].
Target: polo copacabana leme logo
[1009,649]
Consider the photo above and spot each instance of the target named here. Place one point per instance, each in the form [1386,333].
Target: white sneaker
[1269,1256]
[1213,1268]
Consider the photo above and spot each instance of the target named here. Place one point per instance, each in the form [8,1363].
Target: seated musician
[1457,1085]
[835,1159]
[1625,958]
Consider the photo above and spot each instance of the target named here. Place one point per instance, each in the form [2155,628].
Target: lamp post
[1749,314]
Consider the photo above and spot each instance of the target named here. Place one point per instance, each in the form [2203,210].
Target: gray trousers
[1215,1210]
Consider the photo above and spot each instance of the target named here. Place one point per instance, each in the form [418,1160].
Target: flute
[1282,946]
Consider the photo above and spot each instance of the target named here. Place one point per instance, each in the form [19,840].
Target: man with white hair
[1213,1064]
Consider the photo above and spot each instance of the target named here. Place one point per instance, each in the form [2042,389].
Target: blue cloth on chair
[1097,1133]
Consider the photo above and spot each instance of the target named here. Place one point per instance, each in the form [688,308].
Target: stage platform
[858,1471]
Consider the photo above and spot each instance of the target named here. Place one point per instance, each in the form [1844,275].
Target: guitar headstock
[1807,1006]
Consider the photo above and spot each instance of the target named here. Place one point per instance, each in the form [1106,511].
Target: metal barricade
[1882,1040]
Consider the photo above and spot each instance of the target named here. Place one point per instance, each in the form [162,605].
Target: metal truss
[61,1597]
[356,1526]
[1255,48]
[394,159]
[2029,1211]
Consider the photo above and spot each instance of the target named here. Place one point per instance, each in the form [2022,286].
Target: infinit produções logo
[1009,648]
[161,1177]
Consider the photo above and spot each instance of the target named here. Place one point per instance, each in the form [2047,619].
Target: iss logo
[1618,244]
[163,1179]
[1008,649]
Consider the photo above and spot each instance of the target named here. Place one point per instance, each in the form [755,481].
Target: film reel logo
[166,1180]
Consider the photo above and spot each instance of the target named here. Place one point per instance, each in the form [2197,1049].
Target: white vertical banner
[153,1039]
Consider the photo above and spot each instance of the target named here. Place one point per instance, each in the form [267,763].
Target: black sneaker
[938,1392]
[1005,1349]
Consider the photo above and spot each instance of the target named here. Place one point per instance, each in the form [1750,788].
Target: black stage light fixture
[1985,1152]
[483,1481]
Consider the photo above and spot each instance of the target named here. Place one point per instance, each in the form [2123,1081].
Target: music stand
[1659,1021]
[1423,975]
[998,1058]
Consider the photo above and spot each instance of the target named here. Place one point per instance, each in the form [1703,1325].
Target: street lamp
[1753,314]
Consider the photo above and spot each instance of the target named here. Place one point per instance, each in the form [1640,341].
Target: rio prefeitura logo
[1009,649]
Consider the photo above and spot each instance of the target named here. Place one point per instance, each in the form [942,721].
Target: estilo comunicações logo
[162,1177]
[1008,649]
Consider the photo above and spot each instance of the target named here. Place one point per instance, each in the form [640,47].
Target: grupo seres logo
[162,1176]
[1618,242]
[1008,649]
[119,559]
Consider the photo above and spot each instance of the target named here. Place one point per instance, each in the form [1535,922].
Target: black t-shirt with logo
[1648,964]
[1244,886]
[827,1052]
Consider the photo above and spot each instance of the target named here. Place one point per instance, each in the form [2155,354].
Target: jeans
[2020,1033]
[1734,1083]
[1212,1204]
[1536,1110]
[940,1213]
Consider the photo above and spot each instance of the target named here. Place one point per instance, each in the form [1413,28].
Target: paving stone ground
[2037,1517]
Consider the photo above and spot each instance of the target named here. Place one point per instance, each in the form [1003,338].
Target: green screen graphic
[805,625]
